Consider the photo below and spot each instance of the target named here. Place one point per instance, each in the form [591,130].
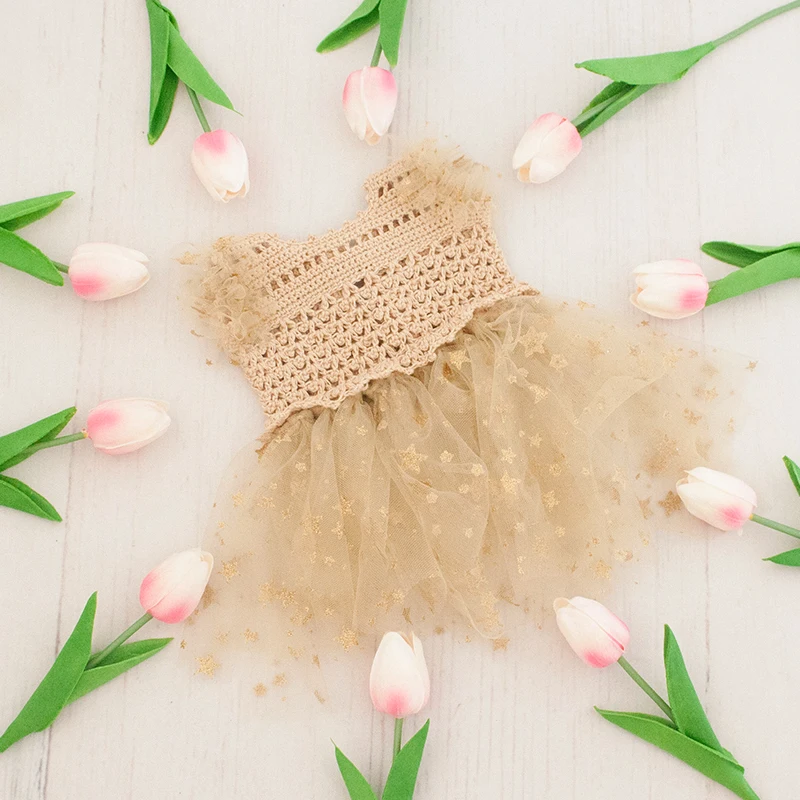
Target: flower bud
[716,498]
[546,149]
[100,271]
[122,426]
[670,289]
[399,683]
[369,99]
[597,636]
[220,161]
[171,591]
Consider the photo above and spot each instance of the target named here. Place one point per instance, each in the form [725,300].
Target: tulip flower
[670,289]
[100,271]
[548,147]
[220,161]
[717,498]
[399,683]
[172,591]
[597,636]
[369,99]
[122,426]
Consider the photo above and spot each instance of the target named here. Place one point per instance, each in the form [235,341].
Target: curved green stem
[123,637]
[646,688]
[398,738]
[198,109]
[757,21]
[376,56]
[776,526]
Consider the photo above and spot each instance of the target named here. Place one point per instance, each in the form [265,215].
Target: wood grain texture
[712,157]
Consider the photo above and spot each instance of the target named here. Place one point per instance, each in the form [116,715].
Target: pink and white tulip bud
[220,161]
[546,149]
[172,591]
[122,426]
[100,271]
[717,498]
[670,289]
[399,683]
[598,637]
[369,99]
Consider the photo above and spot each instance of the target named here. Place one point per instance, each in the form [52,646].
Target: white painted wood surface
[714,156]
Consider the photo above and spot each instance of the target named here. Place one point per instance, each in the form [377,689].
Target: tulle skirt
[528,461]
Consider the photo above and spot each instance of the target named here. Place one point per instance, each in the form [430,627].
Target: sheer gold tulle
[528,461]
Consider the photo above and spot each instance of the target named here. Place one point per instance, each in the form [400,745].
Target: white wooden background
[712,157]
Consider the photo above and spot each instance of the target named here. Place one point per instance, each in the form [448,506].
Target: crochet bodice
[312,322]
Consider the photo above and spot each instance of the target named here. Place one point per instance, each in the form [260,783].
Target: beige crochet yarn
[442,443]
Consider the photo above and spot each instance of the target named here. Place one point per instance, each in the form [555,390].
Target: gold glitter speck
[672,502]
[230,569]
[411,459]
[501,643]
[250,636]
[347,639]
[206,665]
[259,690]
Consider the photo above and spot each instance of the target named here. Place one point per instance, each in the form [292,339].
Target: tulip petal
[721,500]
[726,483]
[396,685]
[98,276]
[546,149]
[220,161]
[596,635]
[105,248]
[675,266]
[379,95]
[122,426]
[173,589]
[353,104]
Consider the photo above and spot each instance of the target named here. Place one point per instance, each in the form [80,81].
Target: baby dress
[441,441]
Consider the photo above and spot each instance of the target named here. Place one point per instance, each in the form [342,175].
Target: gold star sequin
[550,500]
[279,679]
[535,440]
[230,569]
[633,350]
[672,502]
[539,393]
[509,484]
[595,348]
[508,455]
[500,644]
[183,644]
[602,570]
[411,459]
[558,362]
[583,305]
[707,394]
[533,342]
[347,639]
[259,690]
[238,499]
[319,696]
[445,456]
[623,556]
[477,470]
[206,665]
[458,358]
[691,417]
[752,365]
[250,636]
[647,512]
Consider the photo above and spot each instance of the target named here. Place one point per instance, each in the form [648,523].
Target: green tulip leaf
[606,104]
[12,444]
[689,714]
[402,776]
[743,255]
[664,735]
[125,657]
[22,255]
[391,15]
[162,88]
[17,215]
[53,692]
[18,495]
[648,70]
[794,472]
[356,783]
[186,65]
[778,267]
[791,558]
[362,20]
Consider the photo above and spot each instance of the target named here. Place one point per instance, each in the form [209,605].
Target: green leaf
[18,495]
[16,215]
[164,108]
[775,268]
[160,97]
[52,694]
[403,774]
[42,431]
[186,65]
[794,472]
[791,558]
[648,70]
[743,255]
[363,19]
[22,255]
[356,783]
[689,714]
[618,96]
[391,15]
[663,734]
[125,657]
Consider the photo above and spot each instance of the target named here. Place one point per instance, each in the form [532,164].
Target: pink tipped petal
[399,684]
[606,619]
[547,148]
[598,637]
[221,164]
[379,95]
[97,275]
[122,426]
[719,499]
[354,110]
[669,295]
[172,591]
[724,482]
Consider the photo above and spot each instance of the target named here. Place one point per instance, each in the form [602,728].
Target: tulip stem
[59,266]
[646,687]
[57,442]
[588,113]
[376,55]
[776,526]
[757,21]
[398,738]
[98,658]
[198,109]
